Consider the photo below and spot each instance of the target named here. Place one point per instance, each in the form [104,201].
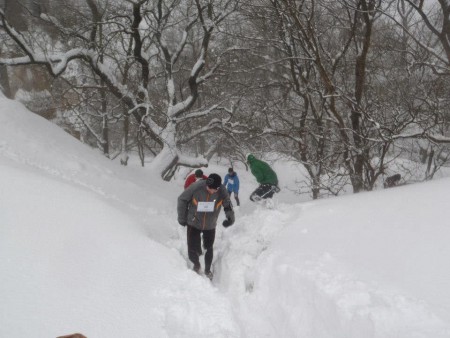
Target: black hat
[230,170]
[198,173]
[214,181]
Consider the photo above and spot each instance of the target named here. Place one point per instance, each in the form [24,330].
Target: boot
[209,274]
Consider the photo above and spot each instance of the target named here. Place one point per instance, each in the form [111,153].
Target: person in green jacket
[265,176]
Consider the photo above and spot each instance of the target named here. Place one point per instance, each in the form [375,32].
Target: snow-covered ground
[89,246]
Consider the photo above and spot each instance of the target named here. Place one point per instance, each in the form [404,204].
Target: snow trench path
[274,295]
[237,250]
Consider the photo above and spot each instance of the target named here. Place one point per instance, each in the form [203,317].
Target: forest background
[342,87]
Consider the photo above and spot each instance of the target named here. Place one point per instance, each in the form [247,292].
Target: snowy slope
[81,242]
[372,265]
[89,246]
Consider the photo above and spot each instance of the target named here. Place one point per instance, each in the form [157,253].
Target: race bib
[231,181]
[205,206]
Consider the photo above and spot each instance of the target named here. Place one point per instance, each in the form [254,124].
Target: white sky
[89,246]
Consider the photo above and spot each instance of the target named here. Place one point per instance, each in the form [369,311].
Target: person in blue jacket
[231,181]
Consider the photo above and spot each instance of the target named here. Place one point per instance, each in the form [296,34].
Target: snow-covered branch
[197,114]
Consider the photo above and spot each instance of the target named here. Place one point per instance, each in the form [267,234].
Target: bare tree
[160,34]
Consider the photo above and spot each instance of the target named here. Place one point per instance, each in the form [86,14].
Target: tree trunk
[170,170]
[105,135]
[360,78]
[124,151]
[4,82]
[430,162]
[357,177]
[315,189]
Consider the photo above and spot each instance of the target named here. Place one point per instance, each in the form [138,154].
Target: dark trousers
[236,197]
[262,192]
[194,243]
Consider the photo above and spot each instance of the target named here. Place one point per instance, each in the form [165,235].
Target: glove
[227,223]
[230,218]
[229,214]
[182,223]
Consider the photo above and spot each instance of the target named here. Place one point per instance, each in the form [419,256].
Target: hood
[250,157]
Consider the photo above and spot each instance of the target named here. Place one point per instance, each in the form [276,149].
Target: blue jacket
[231,181]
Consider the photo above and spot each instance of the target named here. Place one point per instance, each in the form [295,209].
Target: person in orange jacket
[198,208]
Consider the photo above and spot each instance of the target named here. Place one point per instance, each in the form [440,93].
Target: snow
[199,64]
[175,110]
[89,246]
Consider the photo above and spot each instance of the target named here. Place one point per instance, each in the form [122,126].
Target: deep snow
[89,246]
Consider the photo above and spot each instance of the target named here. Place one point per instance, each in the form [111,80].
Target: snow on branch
[57,62]
[196,114]
[199,64]
[192,161]
[438,138]
[179,108]
[149,122]
[213,124]
[223,124]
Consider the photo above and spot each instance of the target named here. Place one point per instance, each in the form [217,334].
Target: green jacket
[262,171]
